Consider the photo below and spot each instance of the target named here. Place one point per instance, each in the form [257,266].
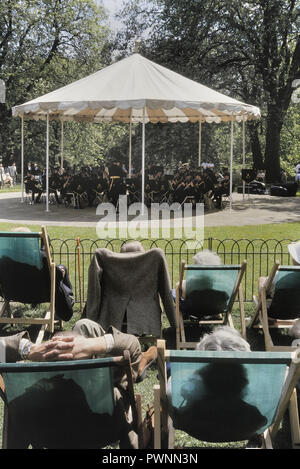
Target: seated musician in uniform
[32,185]
[199,187]
[223,188]
[133,191]
[158,186]
[65,187]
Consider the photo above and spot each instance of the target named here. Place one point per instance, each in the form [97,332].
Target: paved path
[252,210]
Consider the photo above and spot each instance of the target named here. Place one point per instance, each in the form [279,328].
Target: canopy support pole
[47,164]
[62,146]
[22,158]
[143,162]
[200,141]
[231,162]
[244,184]
[130,145]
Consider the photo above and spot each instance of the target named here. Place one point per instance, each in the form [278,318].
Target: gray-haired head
[223,338]
[132,246]
[207,257]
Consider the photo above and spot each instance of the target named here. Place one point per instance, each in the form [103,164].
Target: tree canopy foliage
[250,50]
[43,46]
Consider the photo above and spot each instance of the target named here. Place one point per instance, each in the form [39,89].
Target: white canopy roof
[120,92]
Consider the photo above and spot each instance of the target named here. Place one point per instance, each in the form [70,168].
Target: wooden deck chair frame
[121,361]
[163,427]
[260,318]
[227,319]
[48,320]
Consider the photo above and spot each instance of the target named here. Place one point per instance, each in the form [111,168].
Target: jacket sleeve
[94,288]
[10,347]
[164,288]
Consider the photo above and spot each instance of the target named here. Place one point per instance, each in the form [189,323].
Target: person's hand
[37,352]
[72,348]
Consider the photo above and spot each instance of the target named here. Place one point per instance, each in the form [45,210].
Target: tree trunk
[272,150]
[255,145]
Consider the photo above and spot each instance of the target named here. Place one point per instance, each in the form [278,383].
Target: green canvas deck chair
[210,292]
[283,309]
[22,278]
[224,396]
[66,405]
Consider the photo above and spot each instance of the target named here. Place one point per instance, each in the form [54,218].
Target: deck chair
[66,405]
[223,396]
[20,276]
[210,294]
[127,290]
[284,307]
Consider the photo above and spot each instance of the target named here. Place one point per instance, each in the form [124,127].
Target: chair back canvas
[286,299]
[23,249]
[60,405]
[21,275]
[209,289]
[221,397]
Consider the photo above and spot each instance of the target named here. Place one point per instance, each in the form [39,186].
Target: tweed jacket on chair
[131,283]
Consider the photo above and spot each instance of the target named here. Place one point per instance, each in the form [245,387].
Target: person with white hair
[205,257]
[294,251]
[195,390]
[205,390]
[223,338]
[132,246]
[87,340]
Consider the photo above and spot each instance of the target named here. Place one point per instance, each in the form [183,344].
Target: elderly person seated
[126,290]
[87,340]
[205,257]
[132,246]
[294,251]
[222,338]
[205,390]
[35,285]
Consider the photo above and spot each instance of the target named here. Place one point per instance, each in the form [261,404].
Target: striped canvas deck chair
[66,405]
[210,292]
[283,308]
[23,279]
[224,396]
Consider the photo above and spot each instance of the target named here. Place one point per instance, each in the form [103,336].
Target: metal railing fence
[76,254]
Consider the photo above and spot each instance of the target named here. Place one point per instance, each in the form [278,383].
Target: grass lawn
[16,188]
[288,231]
[276,231]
